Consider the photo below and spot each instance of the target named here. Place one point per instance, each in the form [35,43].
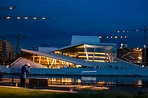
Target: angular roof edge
[85,43]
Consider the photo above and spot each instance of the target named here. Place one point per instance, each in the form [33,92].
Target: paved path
[62,91]
[14,83]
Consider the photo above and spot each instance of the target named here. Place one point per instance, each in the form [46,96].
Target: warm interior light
[92,53]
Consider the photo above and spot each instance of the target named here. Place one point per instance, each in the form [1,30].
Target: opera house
[85,56]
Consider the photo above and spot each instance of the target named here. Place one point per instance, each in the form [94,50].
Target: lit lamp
[43,18]
[8,17]
[12,7]
[25,17]
[18,17]
[34,18]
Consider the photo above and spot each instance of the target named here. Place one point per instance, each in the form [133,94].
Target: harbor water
[89,80]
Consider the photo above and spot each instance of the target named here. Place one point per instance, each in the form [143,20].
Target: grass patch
[32,93]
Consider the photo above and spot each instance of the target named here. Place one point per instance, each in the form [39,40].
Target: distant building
[123,46]
[6,52]
[132,55]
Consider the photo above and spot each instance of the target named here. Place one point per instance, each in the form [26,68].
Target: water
[94,80]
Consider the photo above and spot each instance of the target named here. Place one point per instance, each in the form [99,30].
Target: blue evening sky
[65,18]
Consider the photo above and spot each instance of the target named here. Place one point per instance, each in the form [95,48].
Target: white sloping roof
[22,61]
[90,43]
[46,49]
[60,57]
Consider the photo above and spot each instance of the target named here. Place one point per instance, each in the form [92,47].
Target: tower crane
[18,44]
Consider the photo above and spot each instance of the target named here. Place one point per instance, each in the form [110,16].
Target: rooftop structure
[84,39]
[6,52]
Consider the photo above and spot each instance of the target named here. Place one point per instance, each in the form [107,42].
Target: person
[24,70]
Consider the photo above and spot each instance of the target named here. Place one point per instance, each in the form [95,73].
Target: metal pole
[145,61]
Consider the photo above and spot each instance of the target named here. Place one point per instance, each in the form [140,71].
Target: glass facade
[87,52]
[91,52]
[47,61]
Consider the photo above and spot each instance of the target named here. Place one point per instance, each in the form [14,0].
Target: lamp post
[144,48]
[8,8]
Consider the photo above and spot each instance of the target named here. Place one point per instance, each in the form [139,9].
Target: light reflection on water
[87,80]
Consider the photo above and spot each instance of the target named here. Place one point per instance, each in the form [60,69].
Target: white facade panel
[84,39]
[46,49]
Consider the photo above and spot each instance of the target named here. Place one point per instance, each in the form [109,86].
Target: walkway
[14,83]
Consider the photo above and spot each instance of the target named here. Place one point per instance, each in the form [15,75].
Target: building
[132,55]
[6,52]
[80,49]
[73,55]
[82,57]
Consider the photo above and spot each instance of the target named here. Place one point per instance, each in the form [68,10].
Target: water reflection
[92,80]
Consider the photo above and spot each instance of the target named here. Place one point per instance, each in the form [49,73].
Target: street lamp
[8,8]
[144,49]
[111,37]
